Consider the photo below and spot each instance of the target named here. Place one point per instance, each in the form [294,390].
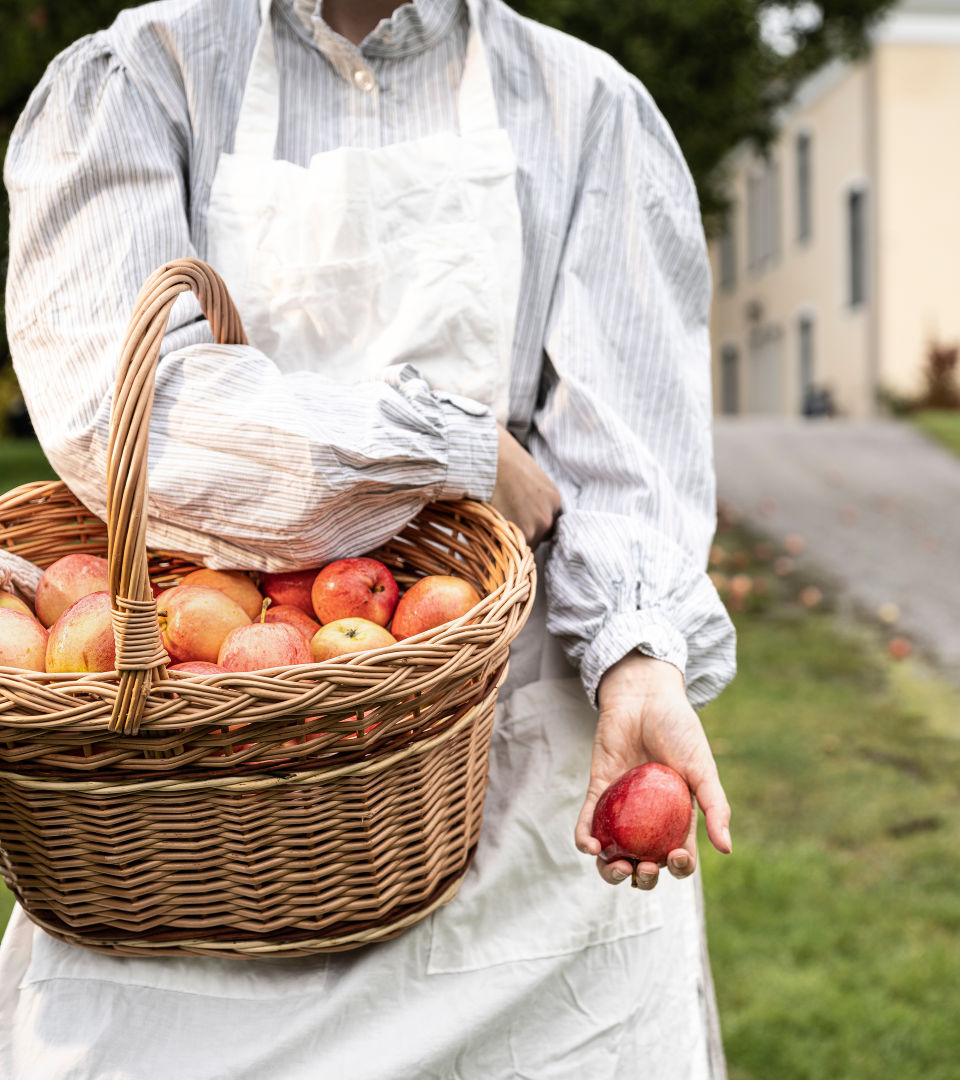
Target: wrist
[636,677]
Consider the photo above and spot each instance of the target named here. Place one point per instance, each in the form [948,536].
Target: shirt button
[364,80]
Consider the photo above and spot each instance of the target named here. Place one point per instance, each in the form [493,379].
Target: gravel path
[877,504]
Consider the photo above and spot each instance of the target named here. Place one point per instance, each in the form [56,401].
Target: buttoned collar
[413,28]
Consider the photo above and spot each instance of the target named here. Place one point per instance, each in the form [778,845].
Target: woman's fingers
[716,810]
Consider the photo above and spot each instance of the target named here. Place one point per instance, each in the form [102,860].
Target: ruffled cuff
[471,449]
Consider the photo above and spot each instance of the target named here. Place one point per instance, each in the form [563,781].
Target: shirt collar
[413,28]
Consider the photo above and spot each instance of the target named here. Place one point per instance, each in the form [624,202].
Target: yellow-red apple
[430,602]
[23,641]
[14,603]
[264,645]
[65,581]
[195,619]
[291,588]
[232,582]
[355,589]
[197,667]
[294,616]
[345,636]
[643,815]
[82,638]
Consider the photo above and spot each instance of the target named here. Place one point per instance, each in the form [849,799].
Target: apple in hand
[355,589]
[264,645]
[23,641]
[82,638]
[643,815]
[431,601]
[287,613]
[232,582]
[194,620]
[292,588]
[65,581]
[345,636]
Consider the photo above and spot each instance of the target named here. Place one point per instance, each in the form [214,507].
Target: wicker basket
[307,809]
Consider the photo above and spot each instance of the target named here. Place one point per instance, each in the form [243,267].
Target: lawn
[834,927]
[22,460]
[940,424]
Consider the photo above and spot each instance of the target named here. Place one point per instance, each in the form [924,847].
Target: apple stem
[263,610]
[633,880]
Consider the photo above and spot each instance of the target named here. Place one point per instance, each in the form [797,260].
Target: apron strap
[256,132]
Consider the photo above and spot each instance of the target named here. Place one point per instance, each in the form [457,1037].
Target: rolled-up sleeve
[624,424]
[248,465]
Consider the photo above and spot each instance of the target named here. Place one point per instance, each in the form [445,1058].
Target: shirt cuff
[471,449]
[649,631]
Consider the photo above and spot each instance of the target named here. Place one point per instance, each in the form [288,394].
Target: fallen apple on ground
[232,582]
[346,636]
[431,601]
[293,588]
[23,641]
[65,581]
[194,620]
[82,638]
[355,589]
[643,815]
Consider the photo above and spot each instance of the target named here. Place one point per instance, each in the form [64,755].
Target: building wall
[918,219]
[760,316]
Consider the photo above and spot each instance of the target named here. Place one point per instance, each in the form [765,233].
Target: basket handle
[141,658]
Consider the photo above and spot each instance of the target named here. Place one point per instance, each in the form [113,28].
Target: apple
[23,641]
[431,601]
[197,667]
[232,582]
[264,645]
[14,603]
[65,581]
[643,815]
[294,616]
[82,638]
[345,636]
[194,620]
[291,589]
[355,589]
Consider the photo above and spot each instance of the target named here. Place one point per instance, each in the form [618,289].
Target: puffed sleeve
[249,466]
[624,427]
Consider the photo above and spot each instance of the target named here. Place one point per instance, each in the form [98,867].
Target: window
[729,381]
[804,183]
[805,357]
[728,254]
[857,244]
[763,217]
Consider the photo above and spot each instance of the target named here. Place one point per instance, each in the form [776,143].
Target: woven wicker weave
[300,810]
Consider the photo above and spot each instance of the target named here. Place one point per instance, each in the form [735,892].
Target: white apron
[537,968]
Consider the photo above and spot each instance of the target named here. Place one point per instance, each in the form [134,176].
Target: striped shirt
[109,173]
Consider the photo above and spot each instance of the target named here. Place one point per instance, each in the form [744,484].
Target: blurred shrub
[940,376]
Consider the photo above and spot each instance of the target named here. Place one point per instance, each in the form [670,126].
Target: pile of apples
[221,621]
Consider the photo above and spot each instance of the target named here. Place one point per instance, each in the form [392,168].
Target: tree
[707,63]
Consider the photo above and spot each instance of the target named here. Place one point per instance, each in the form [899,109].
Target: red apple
[290,589]
[82,638]
[65,581]
[23,641]
[264,645]
[355,589]
[431,601]
[14,603]
[197,667]
[644,815]
[345,636]
[294,616]
[232,582]
[196,620]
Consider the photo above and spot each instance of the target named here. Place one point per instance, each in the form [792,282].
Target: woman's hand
[645,716]
[524,494]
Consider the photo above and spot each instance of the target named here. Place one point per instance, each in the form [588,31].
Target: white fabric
[372,257]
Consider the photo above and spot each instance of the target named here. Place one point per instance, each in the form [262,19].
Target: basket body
[307,810]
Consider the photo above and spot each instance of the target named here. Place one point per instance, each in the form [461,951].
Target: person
[469,260]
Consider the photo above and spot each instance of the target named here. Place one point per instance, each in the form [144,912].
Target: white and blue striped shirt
[109,173]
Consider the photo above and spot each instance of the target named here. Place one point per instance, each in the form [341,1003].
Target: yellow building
[841,260]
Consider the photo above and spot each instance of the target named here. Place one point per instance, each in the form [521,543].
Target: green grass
[940,424]
[835,926]
[22,460]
